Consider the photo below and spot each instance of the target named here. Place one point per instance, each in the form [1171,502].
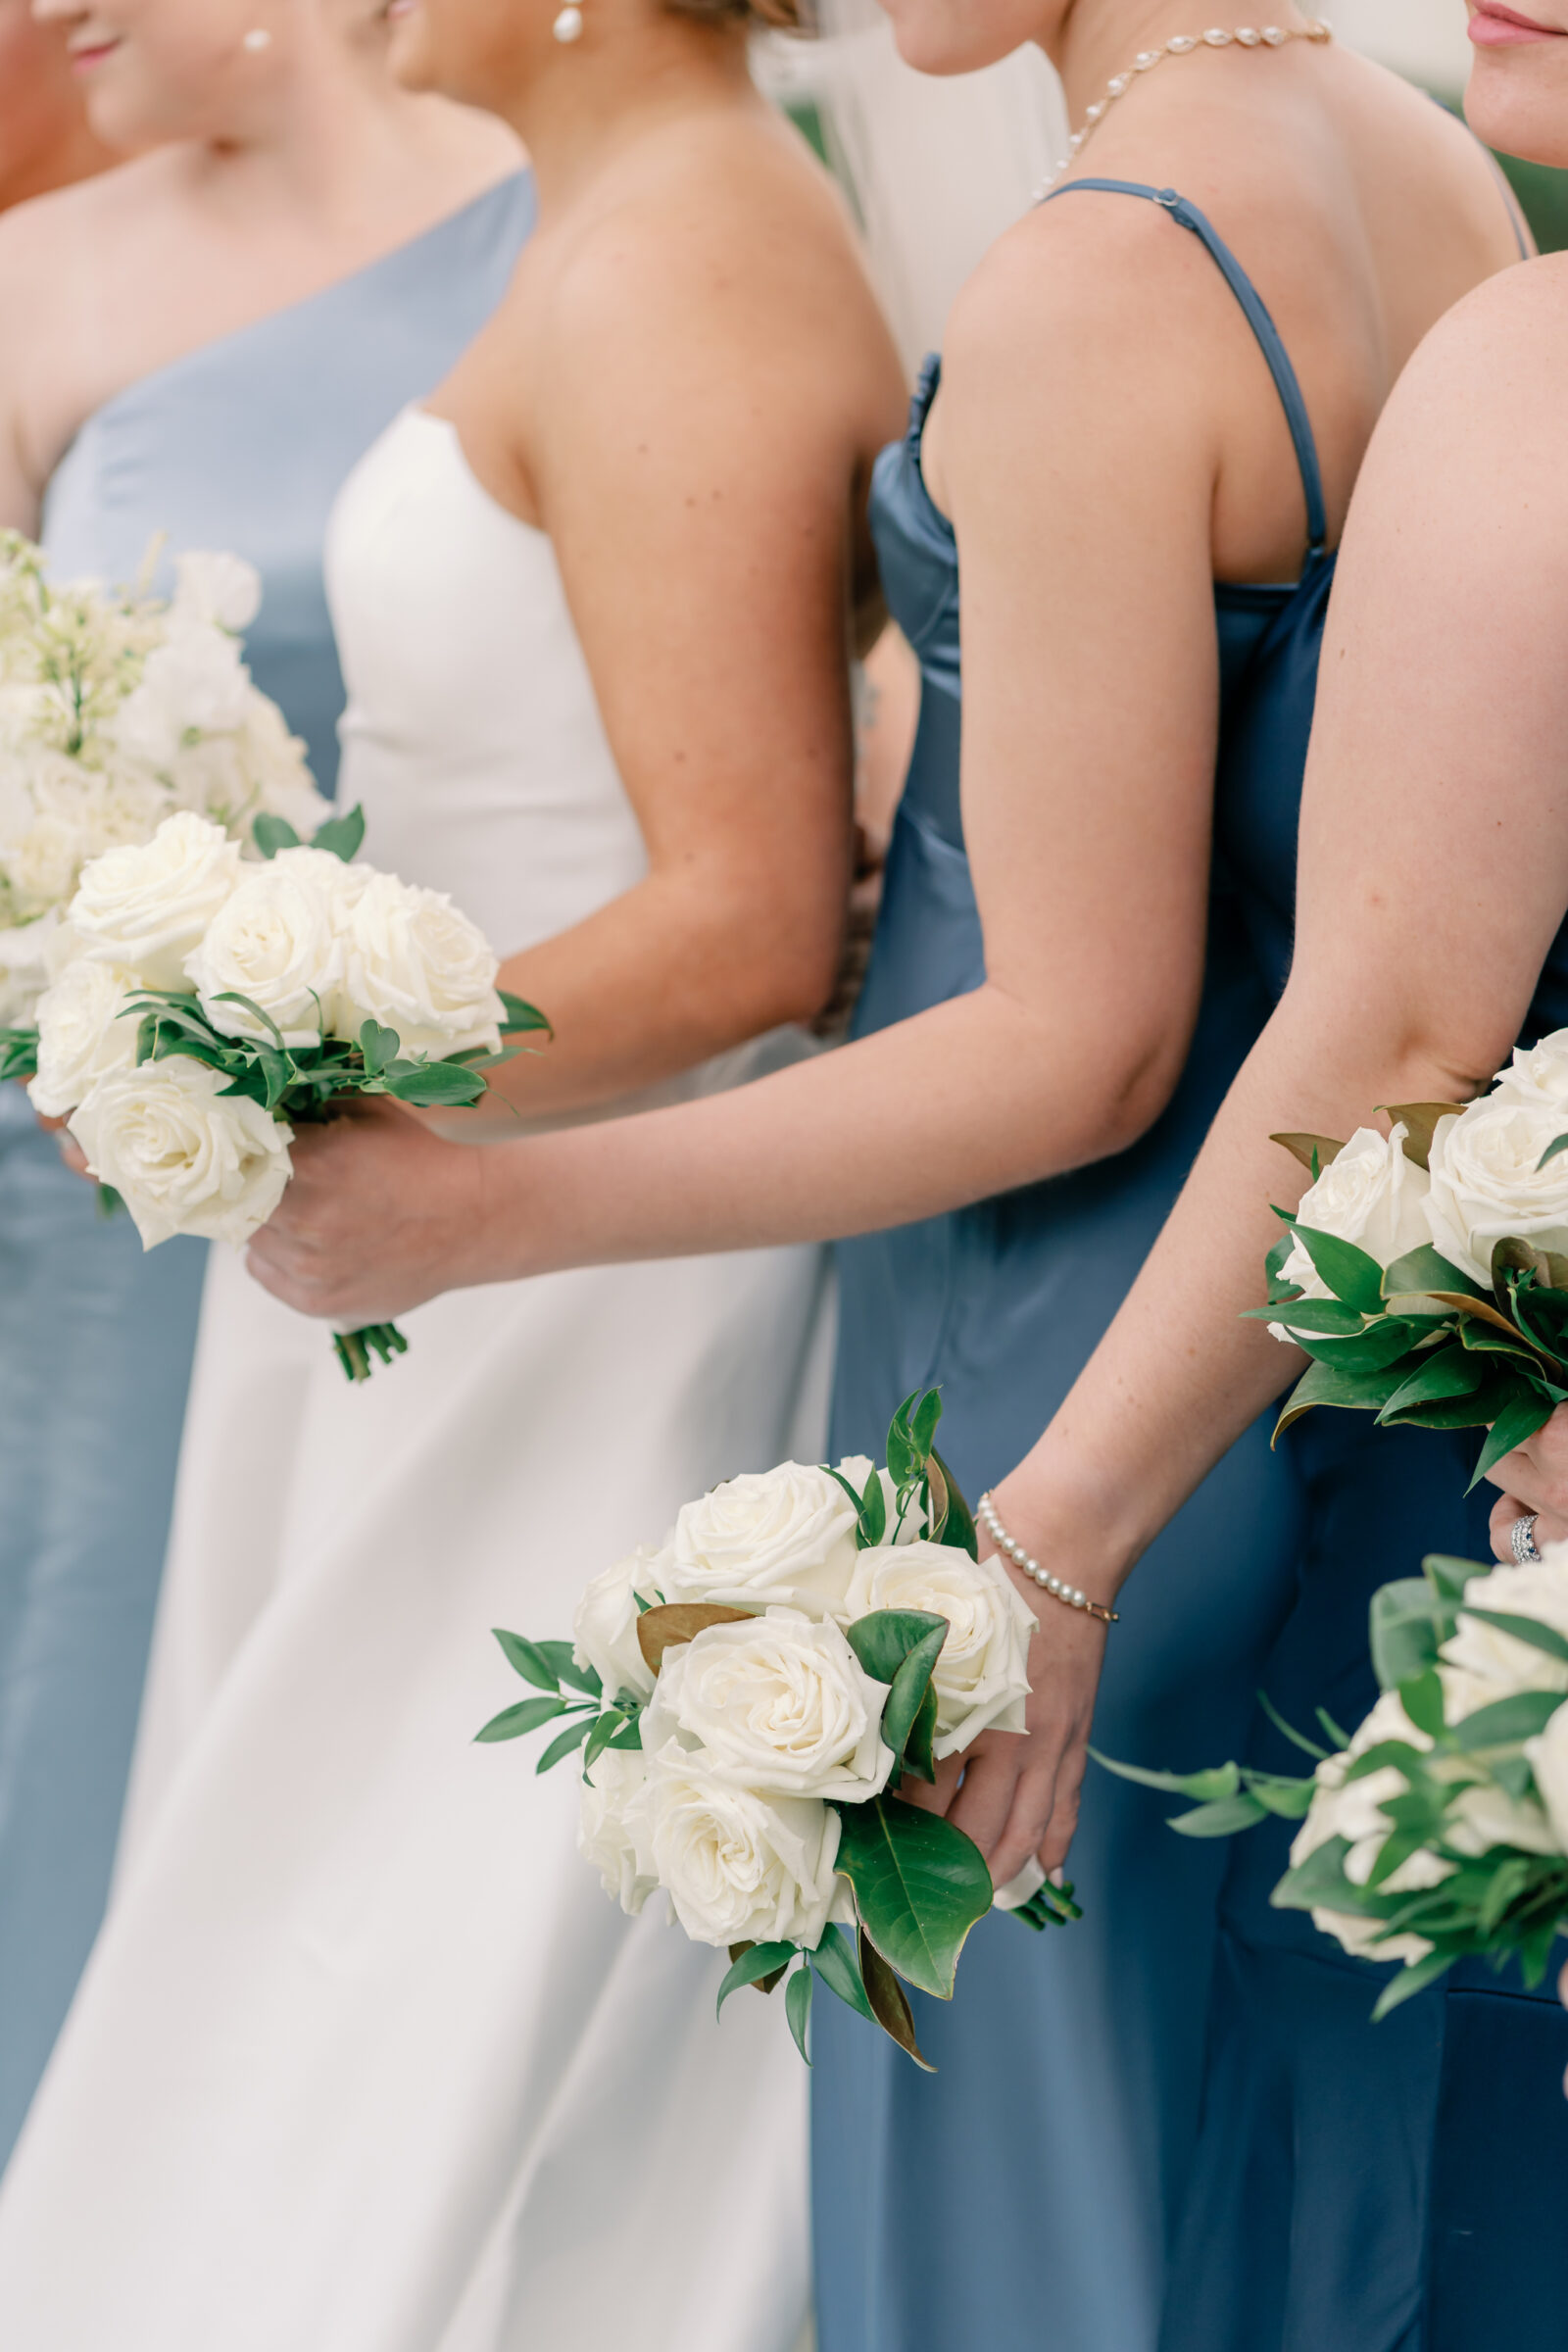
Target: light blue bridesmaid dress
[240,446]
[1023,2197]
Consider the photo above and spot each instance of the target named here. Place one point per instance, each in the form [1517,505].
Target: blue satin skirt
[95,1351]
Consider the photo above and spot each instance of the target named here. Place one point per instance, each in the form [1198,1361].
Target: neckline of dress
[444,425]
[498,190]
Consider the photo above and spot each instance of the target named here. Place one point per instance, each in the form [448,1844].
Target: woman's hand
[1533,1478]
[379,1217]
[1017,1795]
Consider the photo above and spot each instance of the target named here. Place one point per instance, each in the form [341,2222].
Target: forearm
[972,1098]
[1179,1375]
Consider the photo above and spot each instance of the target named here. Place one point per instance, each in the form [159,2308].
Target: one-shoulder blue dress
[240,446]
[1023,2197]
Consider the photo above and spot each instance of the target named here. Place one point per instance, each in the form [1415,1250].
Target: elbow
[1131,1089]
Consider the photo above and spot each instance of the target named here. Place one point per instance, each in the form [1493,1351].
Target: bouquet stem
[355,1348]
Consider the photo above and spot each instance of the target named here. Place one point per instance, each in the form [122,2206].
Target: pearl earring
[257,39]
[568,27]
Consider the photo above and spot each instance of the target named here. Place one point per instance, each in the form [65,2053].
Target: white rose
[418,966]
[341,885]
[273,940]
[982,1676]
[220,591]
[1495,1663]
[779,1703]
[81,1037]
[604,1629]
[606,1832]
[42,867]
[194,681]
[1548,1761]
[1370,1195]
[1486,1186]
[24,971]
[1351,1809]
[785,1535]
[1537,1078]
[145,908]
[738,1867]
[183,1157]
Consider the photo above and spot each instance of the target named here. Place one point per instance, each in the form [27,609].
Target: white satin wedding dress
[366,2061]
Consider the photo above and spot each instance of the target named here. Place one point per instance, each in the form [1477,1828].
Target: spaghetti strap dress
[240,445]
[1064,2111]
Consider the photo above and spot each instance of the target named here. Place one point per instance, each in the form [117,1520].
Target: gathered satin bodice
[243,444]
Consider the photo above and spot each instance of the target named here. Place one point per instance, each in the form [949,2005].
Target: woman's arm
[1082,499]
[1433,876]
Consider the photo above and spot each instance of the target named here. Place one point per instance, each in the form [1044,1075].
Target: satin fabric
[240,446]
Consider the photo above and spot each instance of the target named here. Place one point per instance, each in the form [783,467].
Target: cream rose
[274,941]
[1370,1195]
[785,1535]
[982,1676]
[1486,1186]
[145,908]
[604,1629]
[1548,1761]
[738,1867]
[1351,1809]
[1495,1663]
[418,966]
[82,1036]
[606,1833]
[779,1703]
[183,1157]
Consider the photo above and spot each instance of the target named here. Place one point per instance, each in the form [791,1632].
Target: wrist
[1072,1527]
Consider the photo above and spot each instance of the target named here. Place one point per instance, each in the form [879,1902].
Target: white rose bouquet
[116,711]
[1440,1831]
[203,1005]
[747,1697]
[1426,1272]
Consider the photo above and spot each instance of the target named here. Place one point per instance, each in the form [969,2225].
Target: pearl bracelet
[1068,1594]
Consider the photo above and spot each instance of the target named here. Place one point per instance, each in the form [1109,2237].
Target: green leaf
[958,1529]
[1222,1819]
[1523,1629]
[1308,1747]
[1447,1372]
[602,1734]
[798,2006]
[835,1963]
[562,1747]
[433,1084]
[529,1659]
[518,1017]
[1327,1383]
[1204,1788]
[1350,1274]
[1413,1978]
[1407,1626]
[1324,1317]
[560,1656]
[1559,1143]
[910,1688]
[1523,1715]
[1517,1422]
[527,1716]
[1427,1271]
[920,1748]
[885,1637]
[905,1461]
[1422,1700]
[752,1963]
[888,2003]
[1283,1794]
[872,1512]
[232,996]
[1449,1576]
[919,1887]
[272,833]
[1331,1729]
[379,1046]
[1372,1349]
[344,835]
[923,1421]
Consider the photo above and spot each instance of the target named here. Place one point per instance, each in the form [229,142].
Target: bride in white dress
[366,2061]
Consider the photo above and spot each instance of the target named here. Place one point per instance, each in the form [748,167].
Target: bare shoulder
[1492,369]
[39,238]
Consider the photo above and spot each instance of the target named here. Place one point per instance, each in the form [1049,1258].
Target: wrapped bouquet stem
[747,1702]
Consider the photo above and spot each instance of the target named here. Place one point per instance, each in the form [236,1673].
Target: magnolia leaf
[919,1887]
[272,833]
[1329,1383]
[923,1421]
[1326,1318]
[1483,1312]
[527,1716]
[1523,1629]
[1427,1270]
[920,1748]
[889,2006]
[343,835]
[1515,1255]
[1445,1374]
[1381,1344]
[1314,1152]
[911,1688]
[1420,1120]
[884,1637]
[758,1964]
[672,1623]
[958,1529]
[835,1963]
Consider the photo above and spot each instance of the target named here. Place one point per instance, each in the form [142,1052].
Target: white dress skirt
[365,2060]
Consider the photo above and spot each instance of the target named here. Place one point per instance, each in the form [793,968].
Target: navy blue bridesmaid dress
[240,446]
[1059,2132]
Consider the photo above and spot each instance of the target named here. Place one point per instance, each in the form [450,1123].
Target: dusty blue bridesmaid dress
[242,446]
[1023,2197]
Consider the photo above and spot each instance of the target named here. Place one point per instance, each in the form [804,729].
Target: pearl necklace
[1181,44]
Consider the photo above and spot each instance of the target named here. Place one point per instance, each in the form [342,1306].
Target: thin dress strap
[1257,319]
